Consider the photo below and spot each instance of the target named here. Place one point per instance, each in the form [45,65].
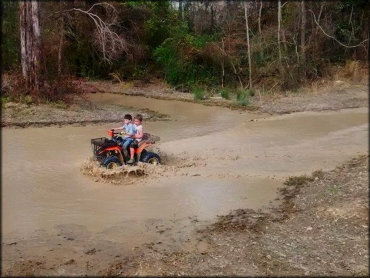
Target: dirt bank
[337,95]
[334,96]
[82,112]
[319,228]
[321,96]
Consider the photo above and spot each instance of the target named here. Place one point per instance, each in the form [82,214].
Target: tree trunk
[278,36]
[212,17]
[223,63]
[259,19]
[61,41]
[248,44]
[30,45]
[22,26]
[180,10]
[303,34]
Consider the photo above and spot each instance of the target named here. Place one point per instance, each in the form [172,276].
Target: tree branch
[342,44]
[110,42]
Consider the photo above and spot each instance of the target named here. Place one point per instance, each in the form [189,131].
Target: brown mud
[326,96]
[71,224]
[319,228]
[80,113]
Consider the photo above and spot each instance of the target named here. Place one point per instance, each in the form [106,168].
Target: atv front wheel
[112,162]
[151,158]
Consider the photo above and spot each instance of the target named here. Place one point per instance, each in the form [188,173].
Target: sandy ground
[339,96]
[82,112]
[333,95]
[320,227]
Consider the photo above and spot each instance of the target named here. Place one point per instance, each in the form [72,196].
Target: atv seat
[148,138]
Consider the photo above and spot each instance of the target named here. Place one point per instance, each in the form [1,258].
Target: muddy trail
[58,209]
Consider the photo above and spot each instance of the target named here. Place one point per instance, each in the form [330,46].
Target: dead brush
[61,89]
[13,86]
[354,70]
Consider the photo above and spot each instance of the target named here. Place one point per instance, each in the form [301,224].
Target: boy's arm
[139,134]
[131,132]
[118,128]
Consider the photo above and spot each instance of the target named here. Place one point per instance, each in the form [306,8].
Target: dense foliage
[200,45]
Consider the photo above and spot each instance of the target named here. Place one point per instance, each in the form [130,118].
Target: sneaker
[131,161]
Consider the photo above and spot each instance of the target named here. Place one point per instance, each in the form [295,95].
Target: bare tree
[248,44]
[61,40]
[111,44]
[181,15]
[334,38]
[259,17]
[31,45]
[278,36]
[223,63]
[303,31]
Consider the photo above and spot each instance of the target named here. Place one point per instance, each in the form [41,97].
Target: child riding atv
[110,153]
[138,137]
[129,129]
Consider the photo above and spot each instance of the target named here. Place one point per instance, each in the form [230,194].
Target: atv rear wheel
[112,162]
[151,158]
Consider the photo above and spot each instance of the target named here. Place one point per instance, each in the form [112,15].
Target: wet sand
[219,160]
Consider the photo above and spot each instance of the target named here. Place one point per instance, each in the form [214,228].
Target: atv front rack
[100,143]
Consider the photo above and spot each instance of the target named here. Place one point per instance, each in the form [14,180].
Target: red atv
[110,154]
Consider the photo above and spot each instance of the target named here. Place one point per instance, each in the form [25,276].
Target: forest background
[229,48]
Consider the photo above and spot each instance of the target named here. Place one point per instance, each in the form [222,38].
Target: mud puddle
[218,160]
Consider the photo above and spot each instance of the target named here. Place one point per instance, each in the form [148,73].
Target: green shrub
[4,100]
[59,104]
[243,96]
[198,92]
[225,93]
[27,99]
[184,62]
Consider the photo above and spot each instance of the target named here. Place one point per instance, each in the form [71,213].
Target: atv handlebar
[147,137]
[111,133]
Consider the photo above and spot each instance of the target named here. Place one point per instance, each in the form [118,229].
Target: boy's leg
[133,146]
[127,142]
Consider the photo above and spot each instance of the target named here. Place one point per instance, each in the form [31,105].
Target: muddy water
[188,119]
[43,185]
[243,164]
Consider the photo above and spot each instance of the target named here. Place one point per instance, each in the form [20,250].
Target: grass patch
[199,93]
[243,96]
[298,181]
[225,93]
[59,104]
[27,99]
[4,100]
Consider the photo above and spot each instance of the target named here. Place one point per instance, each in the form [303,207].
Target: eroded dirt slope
[321,228]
